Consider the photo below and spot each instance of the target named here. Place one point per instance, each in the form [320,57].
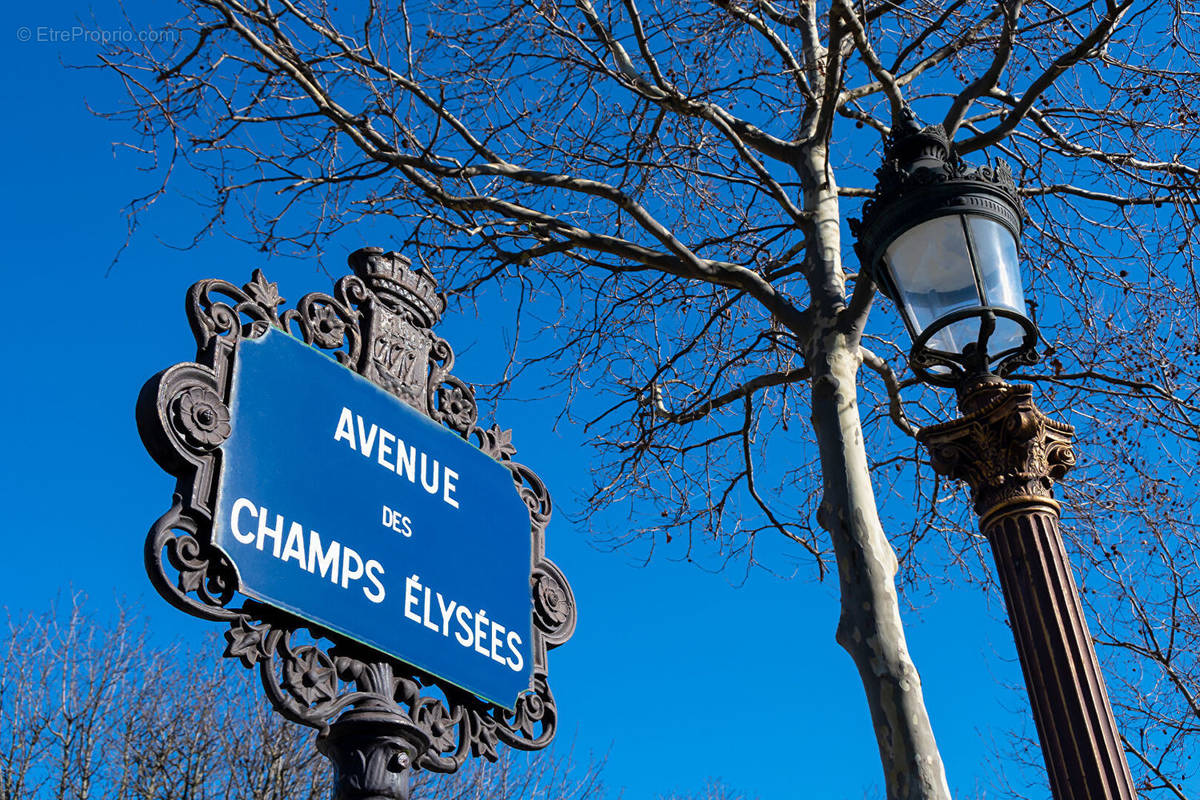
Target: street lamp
[940,239]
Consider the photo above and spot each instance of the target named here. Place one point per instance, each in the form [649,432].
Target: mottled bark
[869,627]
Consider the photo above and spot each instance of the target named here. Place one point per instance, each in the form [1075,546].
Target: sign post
[375,554]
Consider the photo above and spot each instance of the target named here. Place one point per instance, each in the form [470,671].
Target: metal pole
[373,746]
[1011,454]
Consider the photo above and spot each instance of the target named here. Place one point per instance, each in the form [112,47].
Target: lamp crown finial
[912,145]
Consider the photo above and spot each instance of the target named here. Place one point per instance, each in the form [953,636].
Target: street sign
[346,507]
[376,554]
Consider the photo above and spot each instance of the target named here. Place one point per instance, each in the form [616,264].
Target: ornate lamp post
[940,239]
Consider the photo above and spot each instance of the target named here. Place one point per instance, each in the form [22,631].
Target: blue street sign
[344,506]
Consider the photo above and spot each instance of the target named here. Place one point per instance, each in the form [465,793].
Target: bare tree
[713,789]
[662,188]
[90,709]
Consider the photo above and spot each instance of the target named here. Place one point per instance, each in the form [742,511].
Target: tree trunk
[869,628]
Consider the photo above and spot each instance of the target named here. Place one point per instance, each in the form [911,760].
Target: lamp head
[940,239]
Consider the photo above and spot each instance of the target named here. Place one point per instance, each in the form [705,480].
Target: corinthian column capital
[1004,448]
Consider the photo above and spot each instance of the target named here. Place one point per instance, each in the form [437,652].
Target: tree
[712,790]
[94,710]
[664,189]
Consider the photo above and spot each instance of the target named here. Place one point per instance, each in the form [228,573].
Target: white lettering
[448,487]
[371,438]
[378,594]
[514,644]
[411,585]
[275,533]
[406,460]
[481,622]
[463,635]
[472,630]
[294,549]
[239,505]
[396,521]
[366,440]
[385,448]
[429,487]
[352,565]
[447,612]
[327,560]
[345,428]
[308,553]
[497,640]
[428,622]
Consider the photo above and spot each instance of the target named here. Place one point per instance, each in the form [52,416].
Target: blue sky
[678,675]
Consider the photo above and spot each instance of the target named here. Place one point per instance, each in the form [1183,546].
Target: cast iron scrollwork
[375,716]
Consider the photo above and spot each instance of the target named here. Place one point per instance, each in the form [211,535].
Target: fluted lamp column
[1011,454]
[940,238]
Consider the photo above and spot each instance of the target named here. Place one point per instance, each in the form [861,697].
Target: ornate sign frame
[376,717]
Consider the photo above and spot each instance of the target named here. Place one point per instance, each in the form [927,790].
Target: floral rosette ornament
[201,418]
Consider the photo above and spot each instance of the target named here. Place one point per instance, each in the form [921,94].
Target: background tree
[94,710]
[661,193]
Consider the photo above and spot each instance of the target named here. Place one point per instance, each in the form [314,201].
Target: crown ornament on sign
[398,286]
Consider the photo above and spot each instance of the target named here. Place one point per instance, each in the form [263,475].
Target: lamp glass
[955,262]
[931,269]
[996,257]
